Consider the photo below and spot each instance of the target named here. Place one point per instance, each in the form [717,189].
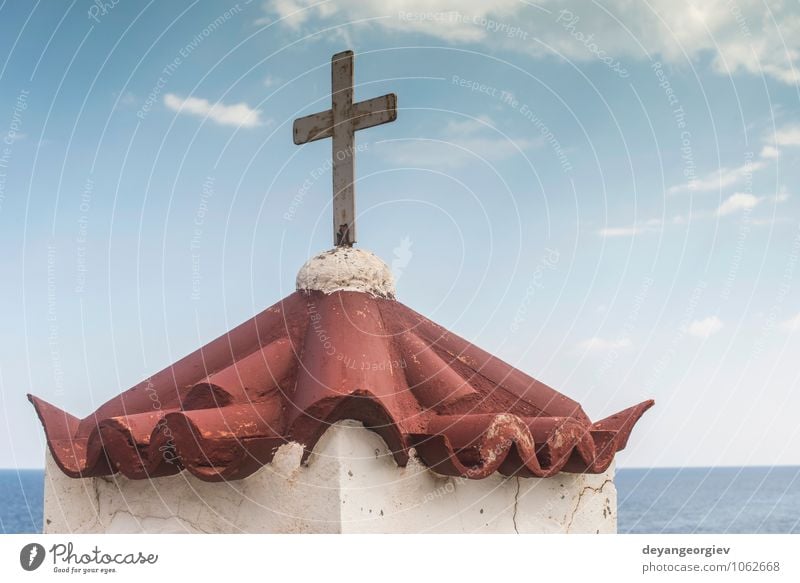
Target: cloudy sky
[603,194]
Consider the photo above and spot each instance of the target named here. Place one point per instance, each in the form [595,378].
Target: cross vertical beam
[344,192]
[340,123]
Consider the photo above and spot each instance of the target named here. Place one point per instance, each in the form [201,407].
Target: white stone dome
[346,269]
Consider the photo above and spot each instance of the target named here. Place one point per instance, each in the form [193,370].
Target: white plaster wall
[350,485]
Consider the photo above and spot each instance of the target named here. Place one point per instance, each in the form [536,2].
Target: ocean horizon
[708,500]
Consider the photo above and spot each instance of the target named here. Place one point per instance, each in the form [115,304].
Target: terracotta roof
[314,359]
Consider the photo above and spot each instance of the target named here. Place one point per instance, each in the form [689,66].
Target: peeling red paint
[314,359]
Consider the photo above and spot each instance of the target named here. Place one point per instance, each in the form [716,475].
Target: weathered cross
[340,122]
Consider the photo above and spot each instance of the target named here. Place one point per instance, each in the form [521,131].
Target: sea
[662,500]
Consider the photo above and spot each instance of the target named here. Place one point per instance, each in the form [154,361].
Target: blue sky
[602,195]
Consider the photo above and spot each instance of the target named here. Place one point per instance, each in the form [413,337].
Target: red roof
[313,359]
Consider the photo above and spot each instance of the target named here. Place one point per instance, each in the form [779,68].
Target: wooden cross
[341,122]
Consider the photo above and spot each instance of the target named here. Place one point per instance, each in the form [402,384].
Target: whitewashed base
[350,485]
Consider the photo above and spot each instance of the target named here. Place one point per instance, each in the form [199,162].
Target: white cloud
[745,201]
[125,100]
[597,344]
[792,323]
[458,143]
[788,136]
[648,226]
[238,114]
[772,221]
[270,81]
[746,36]
[621,231]
[12,137]
[467,126]
[769,152]
[719,179]
[449,153]
[738,202]
[705,327]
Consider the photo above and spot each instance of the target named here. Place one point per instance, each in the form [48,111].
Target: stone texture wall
[350,485]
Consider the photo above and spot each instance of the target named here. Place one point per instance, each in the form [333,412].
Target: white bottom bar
[405,558]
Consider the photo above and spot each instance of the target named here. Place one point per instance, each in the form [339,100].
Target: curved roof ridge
[315,358]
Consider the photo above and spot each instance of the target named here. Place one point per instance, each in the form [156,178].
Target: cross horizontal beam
[366,114]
